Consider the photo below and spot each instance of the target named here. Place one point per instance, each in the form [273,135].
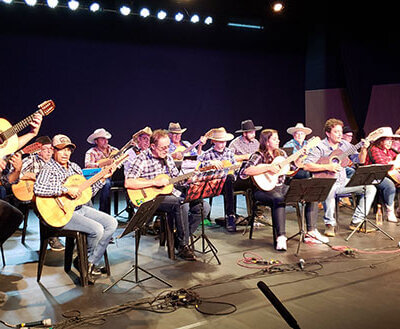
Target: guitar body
[140,196]
[11,144]
[180,148]
[107,161]
[334,157]
[57,211]
[23,190]
[267,181]
[394,173]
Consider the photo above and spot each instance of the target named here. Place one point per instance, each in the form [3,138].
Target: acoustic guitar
[182,149]
[267,181]
[394,173]
[57,211]
[139,196]
[23,190]
[8,133]
[342,158]
[114,155]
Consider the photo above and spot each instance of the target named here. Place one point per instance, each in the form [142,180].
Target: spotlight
[94,7]
[144,12]
[31,2]
[195,18]
[125,10]
[73,4]
[52,3]
[277,6]
[178,17]
[161,14]
[8,1]
[208,20]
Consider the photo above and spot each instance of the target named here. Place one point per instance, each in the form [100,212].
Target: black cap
[43,140]
[347,129]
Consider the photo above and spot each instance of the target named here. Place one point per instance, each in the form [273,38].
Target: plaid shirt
[94,154]
[212,154]
[52,177]
[33,163]
[378,155]
[241,146]
[258,158]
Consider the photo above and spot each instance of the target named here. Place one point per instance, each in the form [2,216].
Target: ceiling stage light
[31,3]
[208,20]
[52,3]
[195,18]
[161,14]
[144,12]
[73,4]
[124,10]
[8,1]
[178,17]
[277,6]
[94,7]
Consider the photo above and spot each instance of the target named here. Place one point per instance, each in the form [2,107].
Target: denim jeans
[105,197]
[359,213]
[98,225]
[388,189]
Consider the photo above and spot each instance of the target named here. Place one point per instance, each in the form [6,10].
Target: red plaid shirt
[380,156]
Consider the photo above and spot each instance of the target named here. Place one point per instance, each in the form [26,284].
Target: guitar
[267,181]
[23,190]
[182,149]
[8,133]
[342,158]
[394,173]
[114,155]
[139,196]
[57,211]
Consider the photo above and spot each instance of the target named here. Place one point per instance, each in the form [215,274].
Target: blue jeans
[359,214]
[388,189]
[105,197]
[185,216]
[99,227]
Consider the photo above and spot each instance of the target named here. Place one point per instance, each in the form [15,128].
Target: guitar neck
[191,147]
[15,129]
[122,150]
[353,149]
[290,159]
[177,179]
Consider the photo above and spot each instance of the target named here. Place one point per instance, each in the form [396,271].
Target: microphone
[301,263]
[45,322]
[290,320]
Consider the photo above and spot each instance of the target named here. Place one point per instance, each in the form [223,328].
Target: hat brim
[177,131]
[63,146]
[226,138]
[92,137]
[246,130]
[389,136]
[292,130]
[141,132]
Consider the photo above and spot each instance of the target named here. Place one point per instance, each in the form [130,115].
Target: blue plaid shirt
[33,163]
[52,177]
[212,154]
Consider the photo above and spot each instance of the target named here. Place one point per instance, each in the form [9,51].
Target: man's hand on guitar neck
[161,181]
[3,164]
[73,192]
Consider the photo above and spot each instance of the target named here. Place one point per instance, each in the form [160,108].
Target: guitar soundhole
[335,160]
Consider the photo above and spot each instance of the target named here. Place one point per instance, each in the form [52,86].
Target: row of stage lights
[123,10]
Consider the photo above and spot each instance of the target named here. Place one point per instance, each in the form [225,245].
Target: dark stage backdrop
[123,86]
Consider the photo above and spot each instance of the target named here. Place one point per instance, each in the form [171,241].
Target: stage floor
[333,291]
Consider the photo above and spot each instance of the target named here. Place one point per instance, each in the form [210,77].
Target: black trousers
[10,219]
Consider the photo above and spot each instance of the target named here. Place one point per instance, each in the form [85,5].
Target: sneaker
[329,230]
[391,217]
[314,237]
[55,244]
[186,254]
[281,243]
[361,229]
[230,223]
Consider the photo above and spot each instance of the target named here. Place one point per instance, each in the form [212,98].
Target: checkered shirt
[52,177]
[381,156]
[94,154]
[33,163]
[240,146]
[212,154]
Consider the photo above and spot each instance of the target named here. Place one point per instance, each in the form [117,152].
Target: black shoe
[231,223]
[55,244]
[186,254]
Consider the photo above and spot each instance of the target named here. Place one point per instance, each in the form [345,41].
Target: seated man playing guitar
[381,152]
[266,161]
[50,184]
[11,217]
[178,148]
[151,173]
[329,158]
[98,157]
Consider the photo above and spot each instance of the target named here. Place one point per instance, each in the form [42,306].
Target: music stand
[206,185]
[368,175]
[307,190]
[138,220]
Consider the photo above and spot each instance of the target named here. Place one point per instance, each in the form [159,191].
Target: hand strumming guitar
[73,192]
[334,167]
[161,181]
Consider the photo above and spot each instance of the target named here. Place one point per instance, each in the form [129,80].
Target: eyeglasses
[164,148]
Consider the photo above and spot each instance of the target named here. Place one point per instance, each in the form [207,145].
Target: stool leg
[42,255]
[69,249]
[2,255]
[82,254]
[107,264]
[26,214]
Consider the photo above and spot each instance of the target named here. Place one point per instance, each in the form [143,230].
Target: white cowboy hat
[145,130]
[175,128]
[101,132]
[299,126]
[388,132]
[220,135]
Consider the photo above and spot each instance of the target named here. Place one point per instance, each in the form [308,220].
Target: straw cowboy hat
[299,127]
[145,130]
[388,132]
[248,125]
[220,135]
[61,141]
[175,128]
[101,132]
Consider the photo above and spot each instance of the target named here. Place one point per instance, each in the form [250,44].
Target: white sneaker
[281,243]
[314,237]
[391,217]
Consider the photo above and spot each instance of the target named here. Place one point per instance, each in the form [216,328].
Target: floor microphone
[291,321]
[45,322]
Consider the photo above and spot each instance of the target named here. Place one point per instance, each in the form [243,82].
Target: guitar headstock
[32,148]
[376,134]
[120,160]
[46,107]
